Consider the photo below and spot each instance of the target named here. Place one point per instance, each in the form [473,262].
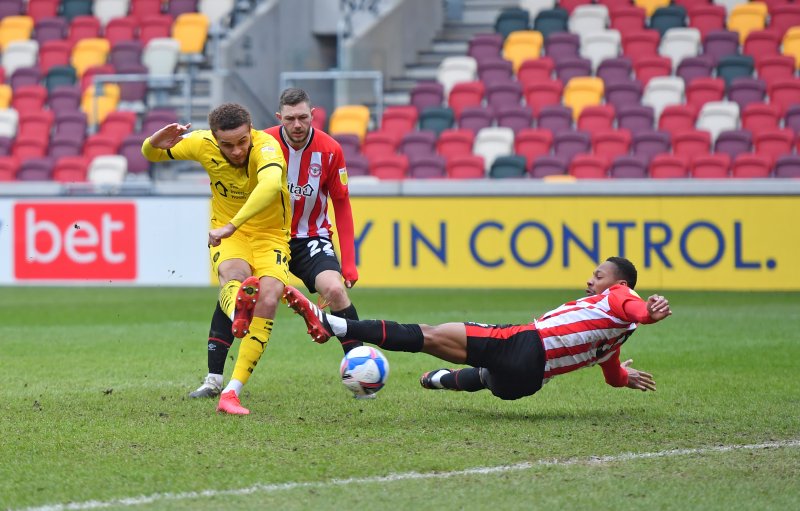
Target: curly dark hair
[625,270]
[228,116]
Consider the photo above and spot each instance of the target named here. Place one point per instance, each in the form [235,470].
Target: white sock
[338,325]
[216,377]
[234,385]
[436,379]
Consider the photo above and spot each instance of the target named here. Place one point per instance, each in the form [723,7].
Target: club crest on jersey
[315,170]
[343,176]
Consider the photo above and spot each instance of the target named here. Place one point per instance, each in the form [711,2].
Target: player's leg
[220,340]
[270,261]
[315,263]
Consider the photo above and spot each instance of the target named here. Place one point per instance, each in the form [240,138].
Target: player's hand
[658,307]
[169,136]
[348,283]
[638,380]
[215,236]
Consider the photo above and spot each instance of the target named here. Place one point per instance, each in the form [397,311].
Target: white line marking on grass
[406,476]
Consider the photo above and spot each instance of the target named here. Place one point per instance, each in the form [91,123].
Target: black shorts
[310,257]
[511,358]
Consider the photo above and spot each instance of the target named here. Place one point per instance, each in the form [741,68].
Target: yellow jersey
[254,198]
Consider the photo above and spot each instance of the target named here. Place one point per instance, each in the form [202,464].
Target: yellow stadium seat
[106,102]
[791,45]
[583,91]
[350,119]
[191,30]
[15,28]
[522,45]
[744,18]
[5,95]
[89,52]
[650,6]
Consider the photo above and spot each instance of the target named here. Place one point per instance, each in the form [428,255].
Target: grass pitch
[94,412]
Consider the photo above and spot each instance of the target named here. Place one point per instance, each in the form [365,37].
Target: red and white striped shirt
[316,173]
[589,330]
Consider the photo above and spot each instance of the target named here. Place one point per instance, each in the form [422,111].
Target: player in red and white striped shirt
[514,361]
[316,172]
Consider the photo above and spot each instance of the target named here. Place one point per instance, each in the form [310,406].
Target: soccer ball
[364,370]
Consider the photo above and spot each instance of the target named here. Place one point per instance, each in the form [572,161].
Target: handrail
[287,78]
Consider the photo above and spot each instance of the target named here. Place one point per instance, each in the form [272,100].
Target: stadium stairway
[477,17]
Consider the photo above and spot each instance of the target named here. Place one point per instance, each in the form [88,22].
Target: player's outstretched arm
[169,136]
[638,380]
[658,308]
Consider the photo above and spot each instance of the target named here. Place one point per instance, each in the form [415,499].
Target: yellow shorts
[267,256]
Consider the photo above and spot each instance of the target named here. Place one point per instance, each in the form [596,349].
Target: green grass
[94,408]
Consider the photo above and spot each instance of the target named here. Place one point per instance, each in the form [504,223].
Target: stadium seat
[121,29]
[668,17]
[773,143]
[522,45]
[436,119]
[349,142]
[787,166]
[465,94]
[596,118]
[784,93]
[431,166]
[54,53]
[718,116]
[511,20]
[456,69]
[72,8]
[350,119]
[70,125]
[568,68]
[26,148]
[758,117]
[640,44]
[589,166]
[650,6]
[627,18]
[97,108]
[426,94]
[89,52]
[581,92]
[156,118]
[693,68]
[64,98]
[791,45]
[485,47]
[744,91]
[702,90]
[691,142]
[15,28]
[125,52]
[762,43]
[25,76]
[571,5]
[50,29]
[792,118]
[680,43]
[160,56]
[567,144]
[131,149]
[544,93]
[59,148]
[389,167]
[588,18]
[83,27]
[357,166]
[9,123]
[532,143]
[601,45]
[711,166]
[107,169]
[30,98]
[560,45]
[628,167]
[106,10]
[707,18]
[662,91]
[651,67]
[493,142]
[734,142]
[668,166]
[517,117]
[466,166]
[218,11]
[35,169]
[119,124]
[100,144]
[155,27]
[88,76]
[141,9]
[19,54]
[495,70]
[399,120]
[511,166]
[611,143]
[415,144]
[623,94]
[378,144]
[5,95]
[675,118]
[549,21]
[455,142]
[8,168]
[70,169]
[784,17]
[545,166]
[40,9]
[60,76]
[749,166]
[533,71]
[191,31]
[555,118]
[774,68]
[35,124]
[615,70]
[746,18]
[535,6]
[647,144]
[475,118]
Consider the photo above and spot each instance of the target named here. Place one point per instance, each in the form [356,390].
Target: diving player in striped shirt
[514,361]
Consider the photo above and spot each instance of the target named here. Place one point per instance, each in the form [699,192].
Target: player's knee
[337,297]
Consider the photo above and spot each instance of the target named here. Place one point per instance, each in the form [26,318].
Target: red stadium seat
[650,67]
[70,169]
[690,143]
[676,118]
[29,98]
[784,93]
[707,18]
[611,143]
[99,144]
[152,27]
[8,168]
[748,165]
[379,144]
[773,143]
[121,29]
[465,94]
[596,118]
[54,53]
[544,93]
[455,142]
[758,117]
[392,167]
[28,148]
[83,27]
[532,143]
[535,70]
[399,120]
[469,166]
[711,166]
[589,166]
[35,124]
[667,166]
[119,124]
[703,90]
[640,45]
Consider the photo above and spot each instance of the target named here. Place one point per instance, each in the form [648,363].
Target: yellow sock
[227,296]
[251,348]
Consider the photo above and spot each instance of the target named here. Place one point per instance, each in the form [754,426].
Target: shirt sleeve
[614,373]
[270,165]
[340,198]
[627,305]
[186,149]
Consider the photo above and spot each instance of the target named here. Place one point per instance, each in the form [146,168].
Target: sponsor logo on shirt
[343,175]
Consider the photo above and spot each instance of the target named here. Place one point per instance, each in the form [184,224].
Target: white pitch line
[406,476]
